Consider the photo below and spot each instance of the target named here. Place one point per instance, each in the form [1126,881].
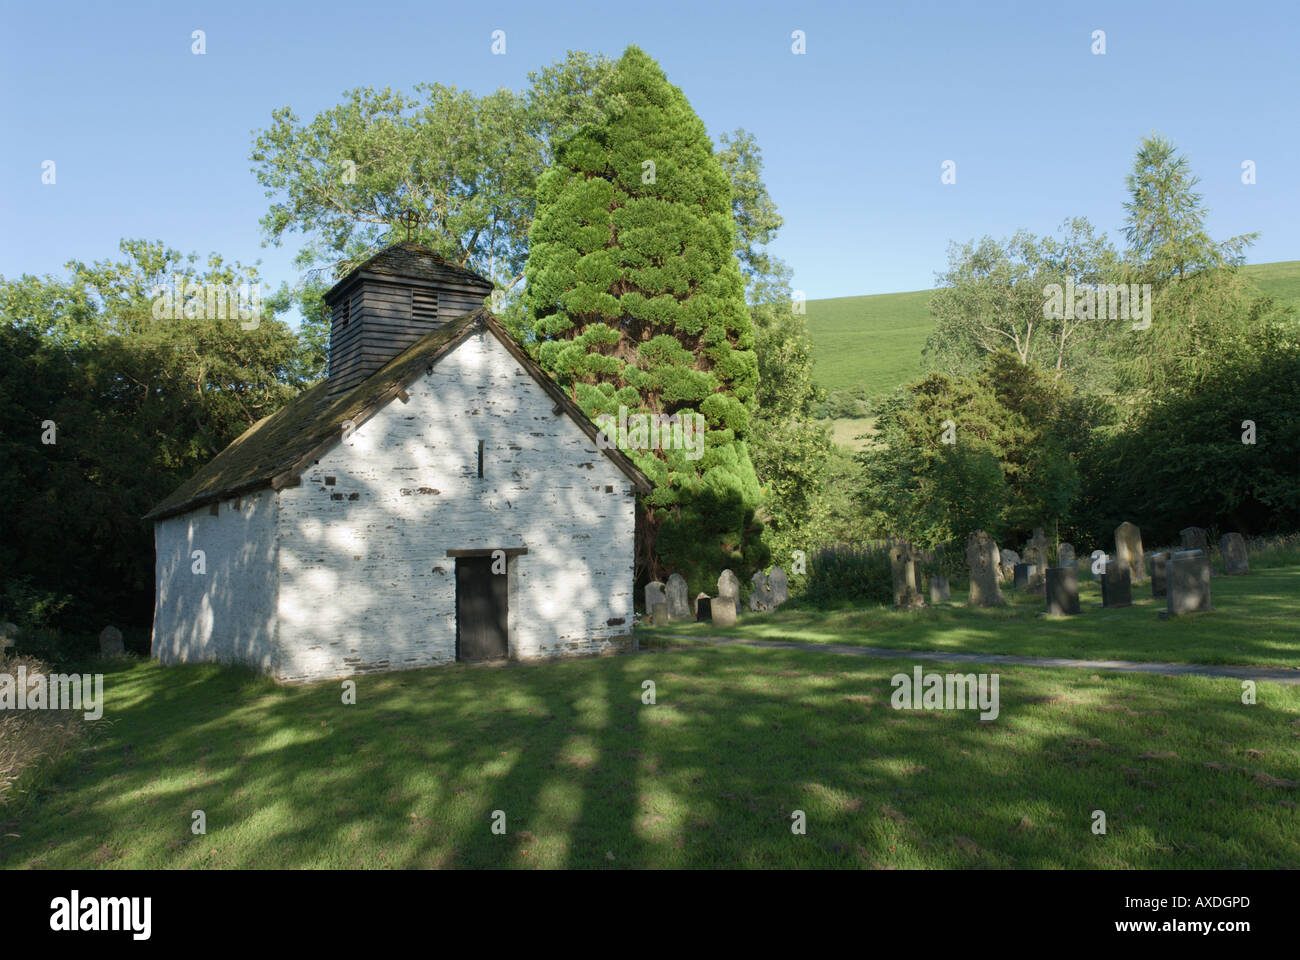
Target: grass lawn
[589,776]
[1254,622]
[853,433]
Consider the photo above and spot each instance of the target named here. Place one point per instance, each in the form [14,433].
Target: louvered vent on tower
[391,301]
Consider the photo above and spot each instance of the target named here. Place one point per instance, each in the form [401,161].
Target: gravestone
[1233,548]
[110,643]
[1188,581]
[723,612]
[982,559]
[1159,562]
[654,593]
[903,566]
[1065,555]
[1036,549]
[8,636]
[1195,538]
[729,587]
[679,604]
[780,587]
[703,607]
[1021,575]
[940,592]
[760,598]
[659,613]
[1062,589]
[1037,580]
[1116,587]
[1128,551]
[1009,559]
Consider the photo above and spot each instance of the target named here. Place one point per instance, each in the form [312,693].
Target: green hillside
[877,340]
[1278,280]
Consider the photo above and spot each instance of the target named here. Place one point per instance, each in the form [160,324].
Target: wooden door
[482,617]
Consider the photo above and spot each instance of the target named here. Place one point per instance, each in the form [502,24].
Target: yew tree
[635,299]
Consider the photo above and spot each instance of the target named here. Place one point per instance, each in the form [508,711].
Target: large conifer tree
[636,299]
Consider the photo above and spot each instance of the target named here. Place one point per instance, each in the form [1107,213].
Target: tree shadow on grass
[707,776]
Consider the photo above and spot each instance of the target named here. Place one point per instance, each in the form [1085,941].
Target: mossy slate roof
[276,450]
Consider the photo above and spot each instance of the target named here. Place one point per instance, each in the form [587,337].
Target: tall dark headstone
[1062,591]
[1116,587]
[703,607]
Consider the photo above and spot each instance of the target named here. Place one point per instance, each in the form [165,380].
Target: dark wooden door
[482,598]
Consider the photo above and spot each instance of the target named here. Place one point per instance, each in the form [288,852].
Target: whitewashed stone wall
[226,615]
[365,582]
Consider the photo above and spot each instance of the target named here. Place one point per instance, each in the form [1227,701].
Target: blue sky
[152,141]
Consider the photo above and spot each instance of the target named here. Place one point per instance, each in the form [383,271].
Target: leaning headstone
[110,643]
[760,598]
[982,559]
[654,593]
[729,587]
[723,612]
[906,596]
[940,592]
[1188,580]
[1195,538]
[1128,551]
[679,604]
[1233,548]
[1021,574]
[1009,560]
[779,585]
[659,613]
[1159,561]
[1065,555]
[1116,587]
[703,607]
[1062,589]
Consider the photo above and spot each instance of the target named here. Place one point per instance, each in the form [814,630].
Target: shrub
[852,573]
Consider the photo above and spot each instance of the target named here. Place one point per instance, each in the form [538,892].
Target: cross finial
[411,221]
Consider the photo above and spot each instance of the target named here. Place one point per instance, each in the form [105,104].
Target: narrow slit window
[480,458]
